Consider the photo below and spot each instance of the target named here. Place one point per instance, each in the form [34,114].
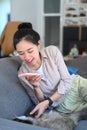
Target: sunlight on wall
[4,13]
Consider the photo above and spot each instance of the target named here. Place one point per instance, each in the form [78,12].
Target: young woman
[44,75]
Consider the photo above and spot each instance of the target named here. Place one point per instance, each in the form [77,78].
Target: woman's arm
[34,80]
[65,78]
[42,106]
[56,96]
[38,93]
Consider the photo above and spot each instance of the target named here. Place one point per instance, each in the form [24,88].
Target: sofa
[14,100]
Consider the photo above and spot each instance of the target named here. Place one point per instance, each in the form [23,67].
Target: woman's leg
[83,89]
[76,98]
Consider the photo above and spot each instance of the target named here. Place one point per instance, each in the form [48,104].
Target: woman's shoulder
[51,47]
[50,51]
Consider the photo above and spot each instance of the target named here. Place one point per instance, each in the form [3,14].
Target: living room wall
[28,11]
[25,10]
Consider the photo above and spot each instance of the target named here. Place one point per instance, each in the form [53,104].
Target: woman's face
[29,53]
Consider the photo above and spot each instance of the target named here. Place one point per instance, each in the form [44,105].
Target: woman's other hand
[40,108]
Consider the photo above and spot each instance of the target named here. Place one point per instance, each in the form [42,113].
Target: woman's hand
[40,108]
[33,78]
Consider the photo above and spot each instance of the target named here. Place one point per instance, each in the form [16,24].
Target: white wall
[23,10]
[28,11]
[31,11]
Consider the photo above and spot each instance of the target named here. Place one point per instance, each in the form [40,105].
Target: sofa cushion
[72,70]
[14,101]
[82,125]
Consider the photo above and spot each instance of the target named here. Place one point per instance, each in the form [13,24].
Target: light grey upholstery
[13,98]
[80,64]
[14,101]
[12,125]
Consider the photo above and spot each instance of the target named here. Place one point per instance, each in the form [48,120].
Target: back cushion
[14,101]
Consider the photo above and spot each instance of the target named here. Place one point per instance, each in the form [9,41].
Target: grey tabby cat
[57,121]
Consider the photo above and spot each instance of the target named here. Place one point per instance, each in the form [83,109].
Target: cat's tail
[80,115]
[83,114]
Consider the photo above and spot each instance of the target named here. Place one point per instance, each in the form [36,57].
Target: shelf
[75,13]
[52,14]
